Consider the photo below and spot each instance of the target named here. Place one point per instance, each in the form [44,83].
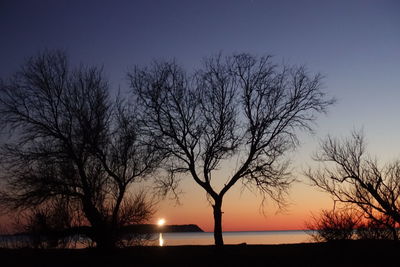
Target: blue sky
[355,44]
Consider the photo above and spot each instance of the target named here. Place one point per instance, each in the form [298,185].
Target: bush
[381,228]
[45,226]
[333,225]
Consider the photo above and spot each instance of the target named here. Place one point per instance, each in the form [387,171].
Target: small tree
[333,225]
[46,226]
[235,109]
[70,141]
[135,209]
[352,177]
[381,228]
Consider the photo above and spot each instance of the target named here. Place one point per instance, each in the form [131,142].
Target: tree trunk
[394,233]
[219,242]
[101,232]
[104,239]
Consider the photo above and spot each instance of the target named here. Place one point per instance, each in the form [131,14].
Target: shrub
[333,225]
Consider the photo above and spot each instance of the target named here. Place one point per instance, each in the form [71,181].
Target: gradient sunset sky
[354,44]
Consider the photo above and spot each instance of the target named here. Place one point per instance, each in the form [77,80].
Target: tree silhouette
[47,226]
[238,108]
[381,228]
[71,141]
[334,225]
[352,177]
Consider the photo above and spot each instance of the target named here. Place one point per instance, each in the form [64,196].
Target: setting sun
[161,222]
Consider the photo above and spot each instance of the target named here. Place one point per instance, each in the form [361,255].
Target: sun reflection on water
[161,240]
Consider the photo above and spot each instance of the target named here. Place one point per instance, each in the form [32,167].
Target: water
[206,238]
[190,238]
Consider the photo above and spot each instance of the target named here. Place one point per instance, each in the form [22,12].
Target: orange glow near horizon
[244,221]
[242,211]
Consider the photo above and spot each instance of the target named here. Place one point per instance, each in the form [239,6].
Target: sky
[354,44]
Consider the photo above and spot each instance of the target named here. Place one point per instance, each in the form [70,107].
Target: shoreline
[340,253]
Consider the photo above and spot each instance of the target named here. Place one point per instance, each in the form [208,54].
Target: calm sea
[262,237]
[194,238]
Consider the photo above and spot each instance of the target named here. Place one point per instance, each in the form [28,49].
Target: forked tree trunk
[219,242]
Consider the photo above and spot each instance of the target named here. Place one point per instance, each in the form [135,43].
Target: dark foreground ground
[351,253]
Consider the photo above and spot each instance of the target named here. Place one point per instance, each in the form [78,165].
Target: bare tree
[352,177]
[240,109]
[70,140]
[334,225]
[135,209]
[47,225]
[381,228]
